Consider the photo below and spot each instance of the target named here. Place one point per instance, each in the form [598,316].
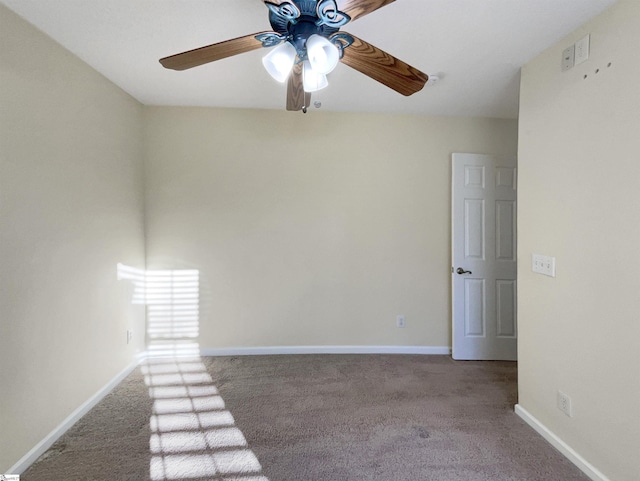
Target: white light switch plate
[545,265]
[582,49]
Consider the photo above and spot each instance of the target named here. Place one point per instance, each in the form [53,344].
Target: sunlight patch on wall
[172,301]
[137,277]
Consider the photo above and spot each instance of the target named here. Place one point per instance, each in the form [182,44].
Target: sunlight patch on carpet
[193,435]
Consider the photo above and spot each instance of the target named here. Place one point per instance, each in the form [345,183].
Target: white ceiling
[476,46]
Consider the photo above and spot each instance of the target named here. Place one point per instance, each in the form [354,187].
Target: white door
[484,257]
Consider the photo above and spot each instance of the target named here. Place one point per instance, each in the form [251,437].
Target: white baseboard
[40,448]
[568,452]
[262,351]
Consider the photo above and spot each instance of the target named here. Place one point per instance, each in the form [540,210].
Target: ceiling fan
[308,45]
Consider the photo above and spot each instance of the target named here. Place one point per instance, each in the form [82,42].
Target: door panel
[506,315]
[505,230]
[474,301]
[474,228]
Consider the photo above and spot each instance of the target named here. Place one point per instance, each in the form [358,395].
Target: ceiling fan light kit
[308,46]
[322,58]
[279,61]
[323,55]
[312,80]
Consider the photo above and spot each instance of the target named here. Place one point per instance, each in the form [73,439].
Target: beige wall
[70,210]
[310,230]
[579,176]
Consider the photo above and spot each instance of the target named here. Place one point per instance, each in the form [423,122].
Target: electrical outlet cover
[568,58]
[564,403]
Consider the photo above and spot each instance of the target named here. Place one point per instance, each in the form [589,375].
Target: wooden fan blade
[384,68]
[297,98]
[211,53]
[359,8]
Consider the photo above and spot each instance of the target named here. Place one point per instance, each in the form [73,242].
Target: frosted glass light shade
[322,54]
[279,61]
[312,81]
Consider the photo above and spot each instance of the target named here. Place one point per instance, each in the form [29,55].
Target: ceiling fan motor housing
[300,32]
[299,19]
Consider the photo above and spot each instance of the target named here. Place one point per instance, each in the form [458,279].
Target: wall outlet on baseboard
[400,322]
[564,403]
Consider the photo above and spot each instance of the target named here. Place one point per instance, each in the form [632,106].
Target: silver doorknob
[461,271]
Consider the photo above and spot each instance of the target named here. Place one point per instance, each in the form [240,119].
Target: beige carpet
[308,418]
